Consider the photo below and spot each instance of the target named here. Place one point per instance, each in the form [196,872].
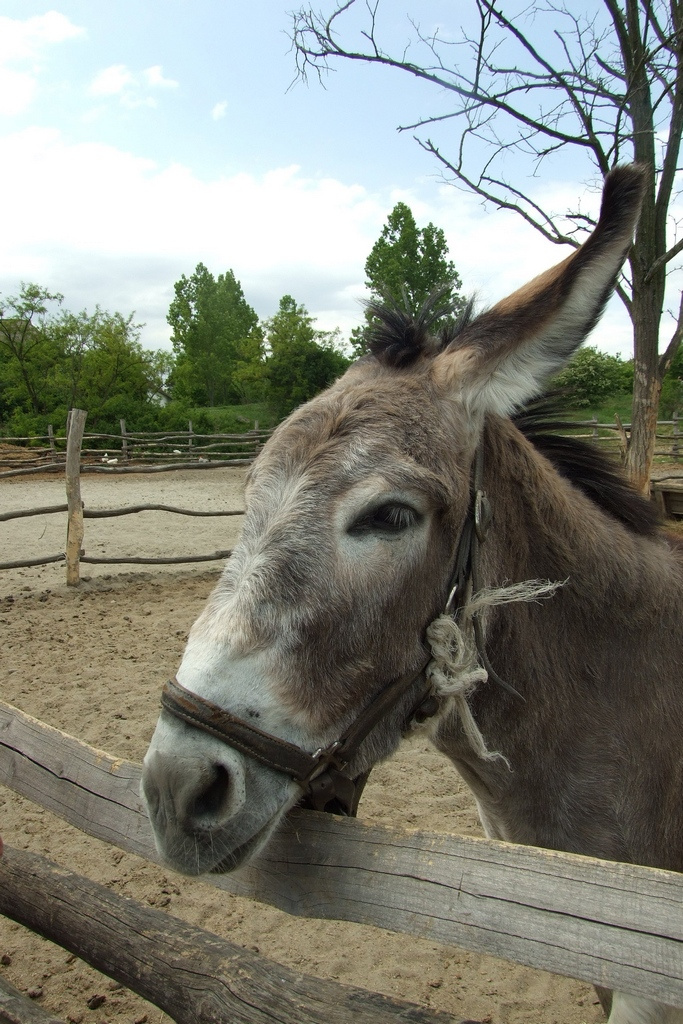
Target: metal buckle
[324,758]
[450,603]
[482,515]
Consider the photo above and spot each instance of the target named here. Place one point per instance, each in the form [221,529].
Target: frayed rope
[455,671]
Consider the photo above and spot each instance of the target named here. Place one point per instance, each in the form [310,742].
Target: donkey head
[354,510]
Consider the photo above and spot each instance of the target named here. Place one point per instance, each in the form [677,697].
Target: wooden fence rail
[47,453]
[76,514]
[16,1008]
[668,495]
[194,976]
[615,925]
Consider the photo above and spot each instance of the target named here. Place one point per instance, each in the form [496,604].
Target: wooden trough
[616,925]
[668,494]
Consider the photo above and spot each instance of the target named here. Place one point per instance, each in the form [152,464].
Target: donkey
[397,527]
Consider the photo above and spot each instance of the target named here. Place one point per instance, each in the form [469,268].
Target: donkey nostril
[212,802]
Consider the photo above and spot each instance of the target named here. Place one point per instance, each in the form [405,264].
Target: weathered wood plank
[140,560]
[16,1008]
[194,976]
[669,496]
[616,925]
[107,513]
[74,526]
[23,513]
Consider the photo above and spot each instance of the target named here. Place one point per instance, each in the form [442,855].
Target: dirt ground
[92,661]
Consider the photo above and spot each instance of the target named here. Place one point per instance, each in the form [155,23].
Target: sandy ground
[92,661]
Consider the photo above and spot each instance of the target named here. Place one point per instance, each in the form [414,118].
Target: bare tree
[543,81]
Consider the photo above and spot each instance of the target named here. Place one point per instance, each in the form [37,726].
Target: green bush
[25,424]
[593,376]
[236,419]
[671,399]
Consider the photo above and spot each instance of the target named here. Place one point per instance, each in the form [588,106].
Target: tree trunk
[646,315]
[646,390]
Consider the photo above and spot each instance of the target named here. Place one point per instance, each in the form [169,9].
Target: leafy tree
[405,265]
[102,366]
[51,363]
[592,376]
[249,375]
[546,81]
[26,347]
[211,322]
[301,360]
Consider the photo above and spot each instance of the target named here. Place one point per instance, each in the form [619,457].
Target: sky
[141,137]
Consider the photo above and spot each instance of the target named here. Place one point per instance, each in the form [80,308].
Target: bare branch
[662,260]
[542,222]
[606,83]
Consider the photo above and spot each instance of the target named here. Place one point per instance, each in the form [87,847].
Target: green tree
[249,372]
[405,265]
[211,322]
[533,88]
[102,366]
[50,363]
[301,360]
[26,346]
[592,376]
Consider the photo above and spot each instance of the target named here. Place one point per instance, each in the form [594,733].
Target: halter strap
[320,773]
[466,571]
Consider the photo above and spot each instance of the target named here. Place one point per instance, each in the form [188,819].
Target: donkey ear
[505,357]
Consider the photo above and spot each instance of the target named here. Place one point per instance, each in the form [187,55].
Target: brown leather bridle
[321,774]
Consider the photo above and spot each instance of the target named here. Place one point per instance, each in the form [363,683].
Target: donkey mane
[585,466]
[399,338]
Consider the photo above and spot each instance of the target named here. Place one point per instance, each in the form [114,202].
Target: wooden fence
[131,452]
[615,436]
[137,452]
[667,492]
[615,925]
[74,553]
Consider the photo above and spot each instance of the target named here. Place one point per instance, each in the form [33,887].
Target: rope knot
[455,669]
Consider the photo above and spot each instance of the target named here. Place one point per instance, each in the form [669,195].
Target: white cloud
[154,78]
[112,81]
[131,228]
[28,40]
[118,230]
[130,88]
[220,110]
[17,90]
[26,43]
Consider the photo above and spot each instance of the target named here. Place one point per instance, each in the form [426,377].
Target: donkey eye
[390,518]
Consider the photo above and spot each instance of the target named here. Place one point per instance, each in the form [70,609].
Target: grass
[605,410]
[235,419]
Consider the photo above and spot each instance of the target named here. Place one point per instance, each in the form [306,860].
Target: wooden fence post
[124,440]
[675,450]
[623,437]
[189,439]
[594,421]
[74,527]
[51,438]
